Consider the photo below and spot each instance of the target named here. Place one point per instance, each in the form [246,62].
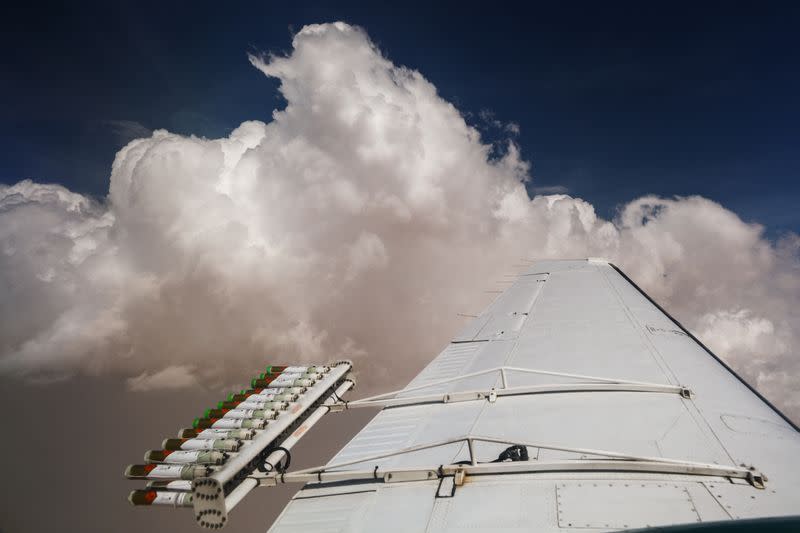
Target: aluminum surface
[568,317]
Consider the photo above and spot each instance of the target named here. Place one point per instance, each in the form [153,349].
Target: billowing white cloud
[360,220]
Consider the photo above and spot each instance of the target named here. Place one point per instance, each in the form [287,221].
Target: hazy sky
[284,192]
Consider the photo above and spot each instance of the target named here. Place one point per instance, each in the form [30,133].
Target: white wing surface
[626,419]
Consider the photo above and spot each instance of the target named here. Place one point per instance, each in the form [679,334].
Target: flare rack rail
[284,403]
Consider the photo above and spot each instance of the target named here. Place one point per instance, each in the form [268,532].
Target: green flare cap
[220,404]
[229,398]
[275,370]
[253,382]
[207,413]
[195,422]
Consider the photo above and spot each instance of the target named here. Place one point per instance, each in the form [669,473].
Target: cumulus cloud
[360,220]
[172,377]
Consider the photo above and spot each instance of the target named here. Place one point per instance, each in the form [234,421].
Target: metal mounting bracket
[590,384]
[756,478]
[608,461]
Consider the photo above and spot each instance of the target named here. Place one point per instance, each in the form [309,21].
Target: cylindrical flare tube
[254,404]
[229,423]
[225,445]
[213,434]
[153,471]
[267,414]
[185,457]
[160,497]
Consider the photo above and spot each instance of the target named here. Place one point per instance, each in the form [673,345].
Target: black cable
[513,453]
[280,468]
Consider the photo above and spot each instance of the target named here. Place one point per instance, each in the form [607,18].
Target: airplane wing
[573,402]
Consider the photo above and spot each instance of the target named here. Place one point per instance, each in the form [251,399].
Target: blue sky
[614,100]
